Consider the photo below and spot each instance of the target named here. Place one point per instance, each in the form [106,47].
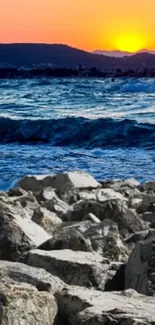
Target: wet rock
[74,268]
[140,269]
[67,239]
[23,304]
[83,307]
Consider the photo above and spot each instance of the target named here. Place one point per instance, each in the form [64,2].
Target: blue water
[53,125]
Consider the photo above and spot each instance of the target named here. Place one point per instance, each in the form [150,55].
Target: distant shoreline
[14,73]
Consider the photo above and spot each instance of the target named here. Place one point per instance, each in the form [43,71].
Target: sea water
[53,125]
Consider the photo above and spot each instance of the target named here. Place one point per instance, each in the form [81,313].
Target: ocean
[53,125]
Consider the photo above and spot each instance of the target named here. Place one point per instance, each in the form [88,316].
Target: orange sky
[87,24]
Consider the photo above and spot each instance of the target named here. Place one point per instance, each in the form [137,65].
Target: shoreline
[79,248]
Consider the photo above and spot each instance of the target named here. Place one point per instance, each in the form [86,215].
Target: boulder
[61,182]
[74,268]
[22,304]
[57,206]
[46,219]
[149,186]
[80,306]
[18,234]
[116,210]
[67,239]
[140,269]
[16,273]
[105,239]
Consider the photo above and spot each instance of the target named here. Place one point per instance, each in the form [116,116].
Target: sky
[86,24]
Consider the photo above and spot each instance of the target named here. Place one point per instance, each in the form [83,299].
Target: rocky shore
[74,251]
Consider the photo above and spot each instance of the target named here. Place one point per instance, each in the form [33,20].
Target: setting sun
[129,43]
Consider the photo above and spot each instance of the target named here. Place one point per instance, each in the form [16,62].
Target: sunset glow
[86,24]
[129,43]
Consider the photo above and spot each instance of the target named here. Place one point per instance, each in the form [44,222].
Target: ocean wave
[78,132]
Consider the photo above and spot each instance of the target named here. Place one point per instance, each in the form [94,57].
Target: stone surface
[67,239]
[74,268]
[46,219]
[140,269]
[105,239]
[61,182]
[22,304]
[13,272]
[81,306]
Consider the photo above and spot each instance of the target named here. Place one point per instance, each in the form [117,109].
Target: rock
[46,219]
[74,268]
[58,206]
[16,191]
[148,216]
[16,273]
[149,186]
[135,203]
[140,269]
[61,182]
[81,226]
[105,239]
[23,304]
[18,234]
[115,210]
[82,306]
[91,217]
[64,182]
[67,239]
[105,194]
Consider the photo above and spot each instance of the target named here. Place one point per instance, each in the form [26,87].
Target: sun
[129,43]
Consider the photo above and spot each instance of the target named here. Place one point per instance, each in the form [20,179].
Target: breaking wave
[78,132]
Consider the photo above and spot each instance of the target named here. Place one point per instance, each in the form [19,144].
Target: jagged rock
[105,239]
[149,186]
[105,194]
[23,304]
[61,182]
[46,219]
[91,217]
[135,203]
[115,210]
[74,268]
[81,226]
[56,205]
[67,239]
[148,200]
[82,306]
[148,216]
[16,191]
[18,234]
[13,272]
[140,269]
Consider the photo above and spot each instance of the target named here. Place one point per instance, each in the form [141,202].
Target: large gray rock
[74,268]
[140,269]
[46,219]
[67,239]
[81,306]
[61,182]
[16,273]
[17,234]
[105,239]
[116,210]
[22,304]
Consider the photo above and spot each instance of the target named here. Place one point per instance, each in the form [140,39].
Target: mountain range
[59,55]
[120,54]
